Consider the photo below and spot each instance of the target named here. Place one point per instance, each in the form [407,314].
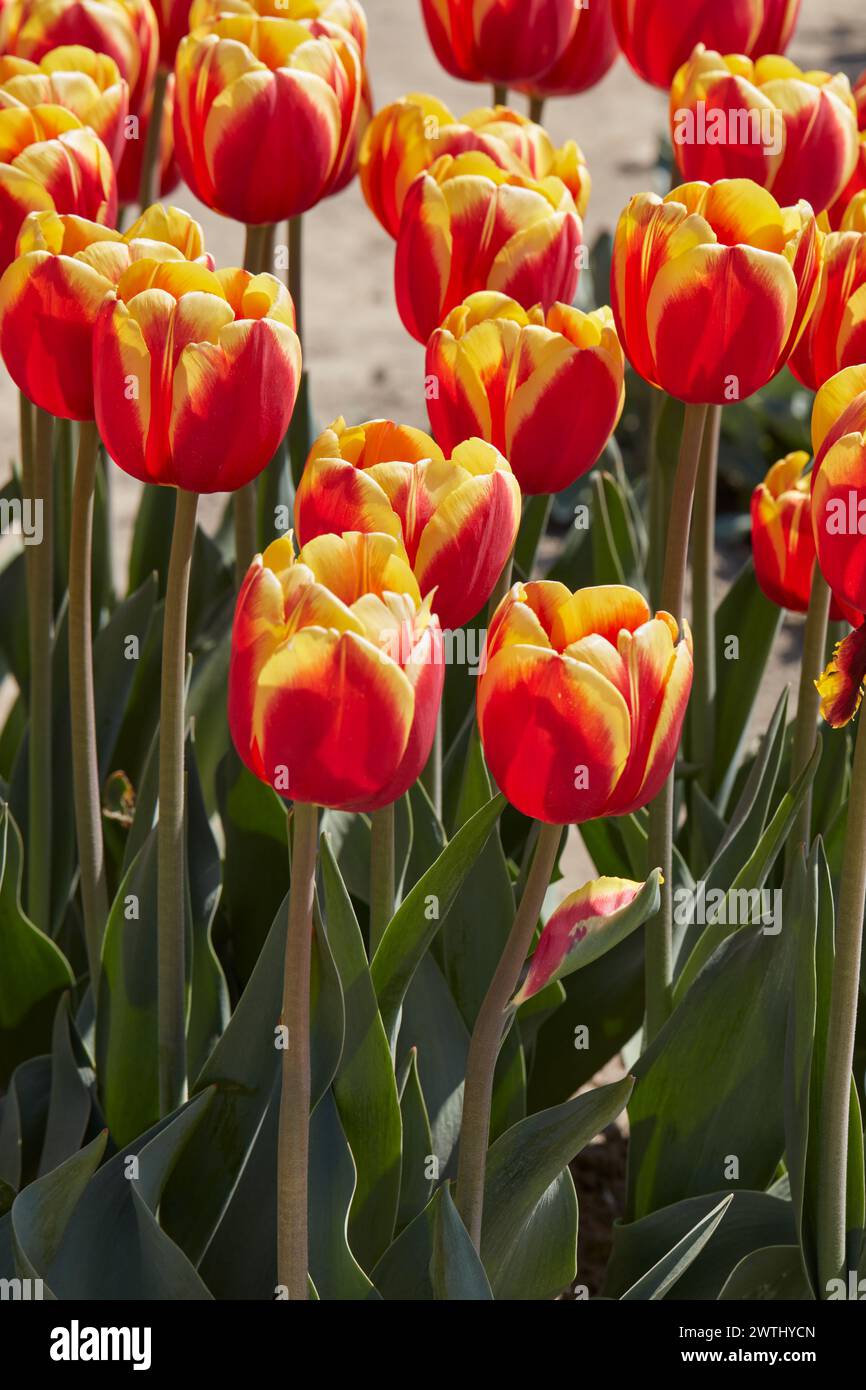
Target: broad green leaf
[208,992]
[667,1271]
[335,1271]
[617,558]
[42,1212]
[420,915]
[433,1259]
[415,1184]
[433,1025]
[773,1273]
[23,1118]
[70,1105]
[255,828]
[543,1259]
[365,1086]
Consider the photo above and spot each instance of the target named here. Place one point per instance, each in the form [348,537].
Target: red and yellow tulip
[51,294]
[407,137]
[857,182]
[469,226]
[124,29]
[793,132]
[712,287]
[336,671]
[582,701]
[266,114]
[657,36]
[456,518]
[348,14]
[835,334]
[86,83]
[50,162]
[839,485]
[196,373]
[783,547]
[590,53]
[498,40]
[546,389]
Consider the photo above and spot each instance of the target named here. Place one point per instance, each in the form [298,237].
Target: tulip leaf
[753,1220]
[334,1269]
[615,546]
[70,1104]
[558,955]
[433,1259]
[747,616]
[415,1184]
[775,1272]
[42,1212]
[526,1160]
[432,1024]
[255,828]
[420,915]
[543,1261]
[667,1271]
[23,1118]
[533,525]
[33,971]
[365,1086]
[208,993]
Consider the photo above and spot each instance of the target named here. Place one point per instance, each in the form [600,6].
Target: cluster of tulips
[187,375]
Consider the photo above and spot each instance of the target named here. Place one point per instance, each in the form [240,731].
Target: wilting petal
[841,685]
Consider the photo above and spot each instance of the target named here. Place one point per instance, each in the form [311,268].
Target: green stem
[382,874]
[702,709]
[658,502]
[294,1131]
[151,164]
[40,583]
[432,775]
[809,702]
[659,931]
[487,1037]
[836,1103]
[296,269]
[245,499]
[503,584]
[500,94]
[85,763]
[170,838]
[536,109]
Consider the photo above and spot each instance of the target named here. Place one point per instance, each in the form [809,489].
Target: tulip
[657,36]
[468,226]
[590,53]
[793,132]
[196,374]
[348,14]
[129,175]
[582,700]
[546,390]
[839,485]
[408,136]
[857,182]
[496,40]
[835,334]
[126,30]
[86,83]
[50,162]
[457,518]
[266,114]
[713,286]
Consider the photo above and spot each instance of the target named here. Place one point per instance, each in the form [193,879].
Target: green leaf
[254,824]
[365,1087]
[23,1119]
[543,1260]
[667,1271]
[433,1025]
[415,1185]
[776,1272]
[416,921]
[42,1212]
[208,992]
[433,1258]
[615,545]
[70,1105]
[335,1272]
[533,524]
[526,1160]
[33,972]
[800,1039]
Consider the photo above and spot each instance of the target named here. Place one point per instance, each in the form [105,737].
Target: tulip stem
[536,109]
[171,894]
[809,702]
[245,499]
[503,584]
[488,1033]
[40,583]
[151,163]
[432,774]
[382,873]
[500,94]
[294,1130]
[836,1102]
[658,937]
[296,268]
[85,761]
[703,705]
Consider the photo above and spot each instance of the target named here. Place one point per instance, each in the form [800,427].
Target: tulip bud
[407,137]
[839,485]
[857,182]
[86,83]
[712,287]
[835,333]
[457,518]
[657,36]
[581,704]
[196,373]
[590,53]
[496,40]
[336,671]
[547,390]
[468,226]
[782,545]
[793,132]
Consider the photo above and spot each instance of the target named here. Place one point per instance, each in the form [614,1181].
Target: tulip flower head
[839,485]
[50,162]
[581,704]
[266,114]
[496,40]
[348,14]
[407,137]
[126,30]
[469,226]
[196,373]
[712,287]
[590,53]
[657,36]
[86,83]
[857,182]
[782,544]
[456,518]
[336,671]
[546,389]
[793,132]
[835,334]
[51,294]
